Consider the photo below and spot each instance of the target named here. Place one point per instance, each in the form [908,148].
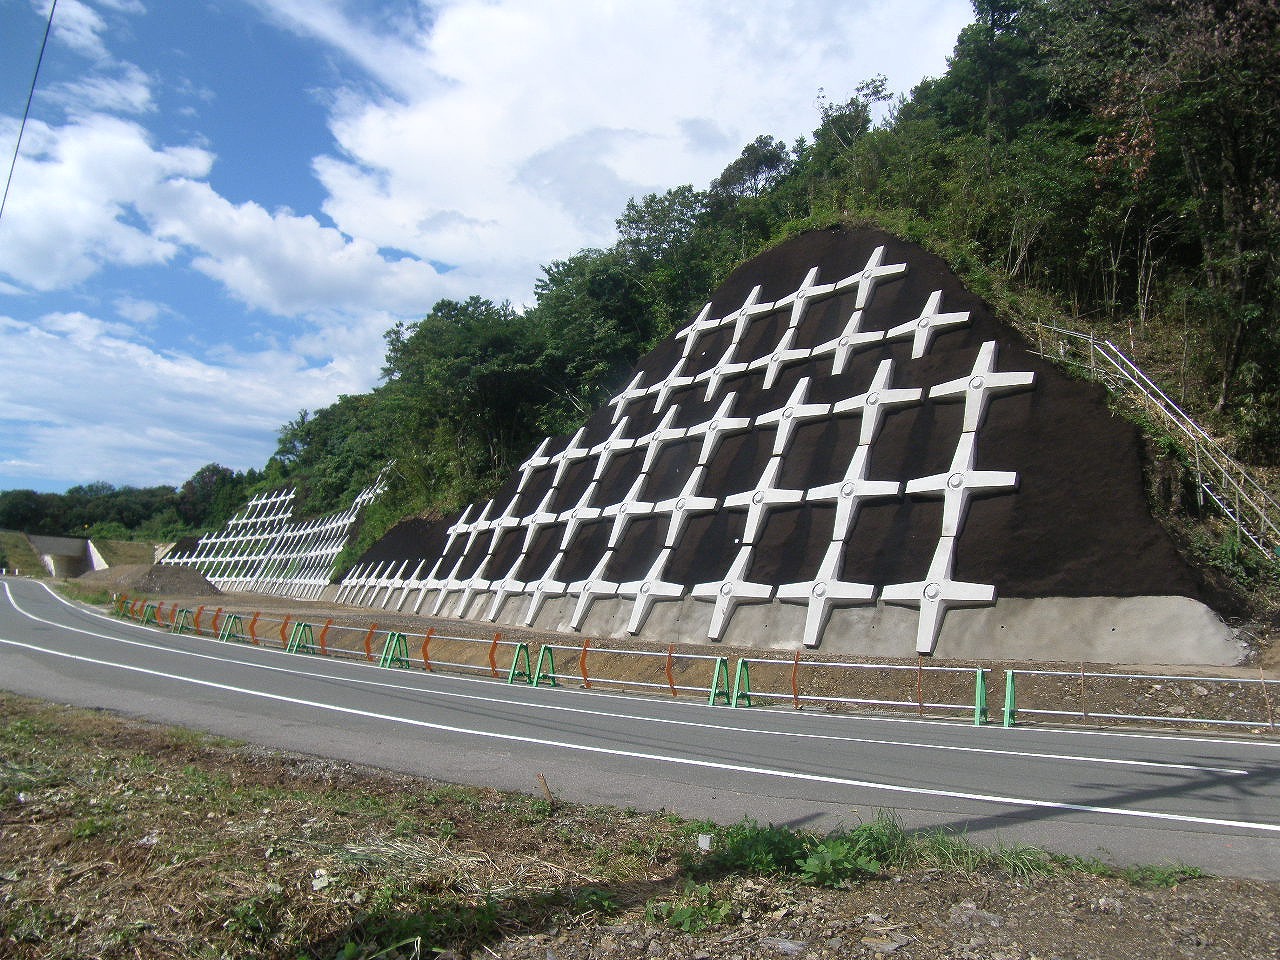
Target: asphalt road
[1212,802]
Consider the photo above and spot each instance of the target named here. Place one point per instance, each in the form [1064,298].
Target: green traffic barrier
[1010,704]
[545,655]
[979,697]
[181,621]
[149,613]
[720,683]
[232,630]
[521,656]
[122,603]
[301,639]
[741,685]
[395,652]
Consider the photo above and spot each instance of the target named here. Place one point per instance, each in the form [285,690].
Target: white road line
[721,728]
[673,760]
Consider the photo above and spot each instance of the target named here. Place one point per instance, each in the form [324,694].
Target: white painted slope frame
[820,608]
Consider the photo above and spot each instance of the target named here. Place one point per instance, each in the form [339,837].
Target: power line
[30,93]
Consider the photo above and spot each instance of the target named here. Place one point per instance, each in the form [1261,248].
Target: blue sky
[221,205]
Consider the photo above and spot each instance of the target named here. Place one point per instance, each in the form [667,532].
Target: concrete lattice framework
[495,565]
[261,549]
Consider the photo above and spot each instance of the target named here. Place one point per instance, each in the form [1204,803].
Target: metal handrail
[1255,512]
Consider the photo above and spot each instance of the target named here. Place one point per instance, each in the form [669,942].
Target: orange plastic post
[216,615]
[196,625]
[324,633]
[671,682]
[582,664]
[160,612]
[173,616]
[795,680]
[284,629]
[253,633]
[368,641]
[133,610]
[426,641]
[493,654]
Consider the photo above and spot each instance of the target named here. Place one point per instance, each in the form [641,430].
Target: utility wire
[30,93]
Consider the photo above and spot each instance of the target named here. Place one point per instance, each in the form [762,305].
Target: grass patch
[124,840]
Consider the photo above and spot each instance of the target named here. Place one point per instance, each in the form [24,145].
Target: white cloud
[129,91]
[77,189]
[83,399]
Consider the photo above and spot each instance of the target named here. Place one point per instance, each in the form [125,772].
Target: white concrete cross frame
[663,434]
[877,401]
[718,427]
[684,505]
[924,327]
[691,331]
[981,384]
[936,594]
[569,456]
[825,592]
[543,588]
[629,508]
[723,370]
[617,442]
[789,416]
[590,589]
[633,392]
[731,592]
[534,463]
[762,499]
[959,483]
[750,309]
[851,492]
[649,589]
[577,515]
[852,339]
[869,276]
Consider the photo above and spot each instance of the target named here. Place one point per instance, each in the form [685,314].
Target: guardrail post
[720,683]
[1010,704]
[232,629]
[547,654]
[741,684]
[426,649]
[521,654]
[181,620]
[301,639]
[979,697]
[395,652]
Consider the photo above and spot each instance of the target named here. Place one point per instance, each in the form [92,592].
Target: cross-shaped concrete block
[982,383]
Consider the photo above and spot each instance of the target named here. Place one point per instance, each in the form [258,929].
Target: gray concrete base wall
[1168,630]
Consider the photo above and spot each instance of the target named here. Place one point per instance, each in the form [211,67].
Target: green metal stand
[1010,703]
[301,639]
[720,683]
[232,630]
[149,614]
[741,685]
[395,652]
[979,697]
[181,621]
[516,673]
[545,655]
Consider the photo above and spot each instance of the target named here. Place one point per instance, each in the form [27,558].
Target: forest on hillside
[1113,167]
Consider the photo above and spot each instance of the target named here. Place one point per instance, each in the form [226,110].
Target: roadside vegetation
[122,839]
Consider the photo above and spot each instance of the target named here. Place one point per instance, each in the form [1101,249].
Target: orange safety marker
[253,633]
[133,610]
[493,654]
[216,614]
[582,664]
[196,626]
[159,612]
[324,632]
[670,679]
[368,641]
[795,680]
[173,616]
[426,641]
[284,628]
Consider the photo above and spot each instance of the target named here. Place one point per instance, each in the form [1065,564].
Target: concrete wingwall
[845,449]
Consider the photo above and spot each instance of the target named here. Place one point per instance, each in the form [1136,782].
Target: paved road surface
[1127,797]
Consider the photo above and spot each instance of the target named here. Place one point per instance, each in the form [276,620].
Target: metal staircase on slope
[1240,497]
